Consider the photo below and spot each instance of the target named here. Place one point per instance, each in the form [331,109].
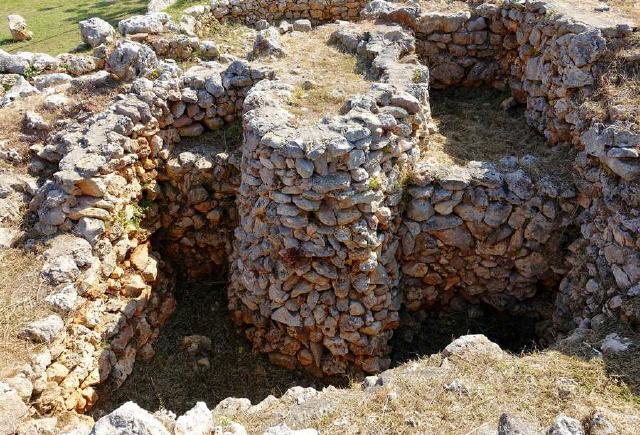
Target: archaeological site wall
[551,63]
[316,10]
[327,231]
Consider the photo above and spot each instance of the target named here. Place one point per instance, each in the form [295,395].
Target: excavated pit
[343,230]
[194,239]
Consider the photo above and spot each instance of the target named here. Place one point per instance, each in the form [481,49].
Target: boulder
[12,64]
[9,237]
[89,229]
[475,344]
[130,60]
[44,330]
[22,386]
[96,31]
[12,409]
[21,89]
[564,425]
[511,425]
[48,80]
[197,421]
[154,23]
[64,300]
[18,28]
[302,26]
[129,419]
[268,43]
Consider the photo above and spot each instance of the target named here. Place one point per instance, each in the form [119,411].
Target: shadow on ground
[171,381]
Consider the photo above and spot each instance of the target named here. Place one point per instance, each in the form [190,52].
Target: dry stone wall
[197,192]
[121,167]
[314,273]
[484,233]
[550,62]
[330,228]
[251,11]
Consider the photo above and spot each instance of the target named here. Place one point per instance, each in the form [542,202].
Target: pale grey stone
[43,331]
[197,421]
[302,25]
[472,344]
[130,60]
[420,210]
[12,409]
[64,300]
[96,31]
[129,419]
[564,425]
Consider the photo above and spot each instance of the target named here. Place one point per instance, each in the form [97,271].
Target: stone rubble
[297,401]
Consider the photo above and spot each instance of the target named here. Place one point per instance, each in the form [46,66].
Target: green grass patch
[54,23]
[176,9]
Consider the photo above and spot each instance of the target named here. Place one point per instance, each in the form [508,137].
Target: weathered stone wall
[604,280]
[251,11]
[118,175]
[314,274]
[323,234]
[197,192]
[550,62]
[484,233]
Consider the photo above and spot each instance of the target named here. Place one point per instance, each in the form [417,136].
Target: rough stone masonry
[330,229]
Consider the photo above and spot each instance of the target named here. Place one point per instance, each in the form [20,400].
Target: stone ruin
[326,232]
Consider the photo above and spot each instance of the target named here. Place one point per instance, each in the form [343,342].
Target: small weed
[375,183]
[30,72]
[224,421]
[132,216]
[419,76]
[154,75]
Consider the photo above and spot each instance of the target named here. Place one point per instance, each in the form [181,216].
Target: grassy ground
[630,8]
[55,22]
[333,75]
[176,9]
[618,92]
[535,387]
[473,127]
[21,300]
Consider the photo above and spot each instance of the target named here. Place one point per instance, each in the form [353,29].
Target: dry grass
[444,5]
[623,365]
[473,127]
[629,8]
[21,300]
[232,38]
[618,92]
[535,387]
[10,125]
[333,74]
